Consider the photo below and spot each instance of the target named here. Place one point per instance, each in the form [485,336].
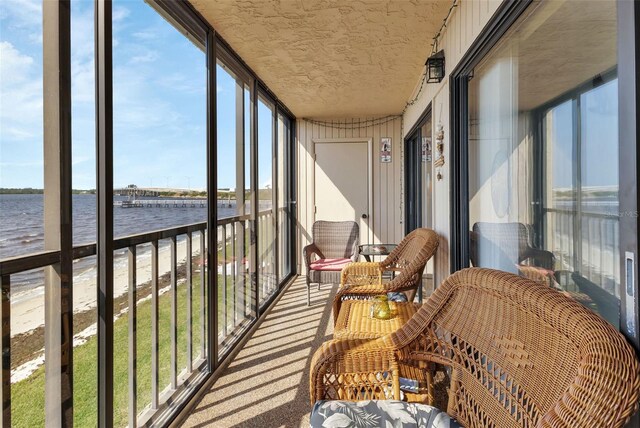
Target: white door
[342,183]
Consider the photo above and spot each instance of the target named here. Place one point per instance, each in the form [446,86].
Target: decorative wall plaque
[385,150]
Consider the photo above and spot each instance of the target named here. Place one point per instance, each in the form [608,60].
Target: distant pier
[134,191]
[162,203]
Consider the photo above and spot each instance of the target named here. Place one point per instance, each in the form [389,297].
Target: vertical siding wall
[465,24]
[387,192]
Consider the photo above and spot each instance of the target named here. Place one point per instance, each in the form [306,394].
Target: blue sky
[159,101]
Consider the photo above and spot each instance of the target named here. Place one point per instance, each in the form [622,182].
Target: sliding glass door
[253,154]
[418,191]
[267,275]
[539,174]
[580,204]
[418,177]
[236,305]
[285,203]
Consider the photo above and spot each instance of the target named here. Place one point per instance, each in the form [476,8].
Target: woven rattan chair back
[409,258]
[522,354]
[512,239]
[336,239]
[504,245]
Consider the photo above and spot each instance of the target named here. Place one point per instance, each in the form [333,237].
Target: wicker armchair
[520,355]
[505,245]
[334,245]
[408,259]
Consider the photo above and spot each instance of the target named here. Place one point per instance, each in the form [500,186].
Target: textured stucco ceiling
[332,58]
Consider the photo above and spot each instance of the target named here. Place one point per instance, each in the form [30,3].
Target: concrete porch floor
[267,384]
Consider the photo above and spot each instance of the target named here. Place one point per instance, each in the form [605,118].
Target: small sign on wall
[385,150]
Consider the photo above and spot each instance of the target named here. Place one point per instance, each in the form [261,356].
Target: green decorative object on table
[380,308]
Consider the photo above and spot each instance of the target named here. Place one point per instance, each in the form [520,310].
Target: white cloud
[82,57]
[21,164]
[35,38]
[81,159]
[147,34]
[23,13]
[83,82]
[148,56]
[182,83]
[20,94]
[119,13]
[82,35]
[14,65]
[137,105]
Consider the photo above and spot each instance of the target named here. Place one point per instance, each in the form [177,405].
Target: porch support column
[255,209]
[104,199]
[212,214]
[58,235]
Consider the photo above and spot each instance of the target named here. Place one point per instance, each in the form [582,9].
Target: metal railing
[267,257]
[236,299]
[239,301]
[587,243]
[161,395]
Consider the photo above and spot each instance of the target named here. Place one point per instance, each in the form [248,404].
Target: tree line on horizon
[222,194]
[32,191]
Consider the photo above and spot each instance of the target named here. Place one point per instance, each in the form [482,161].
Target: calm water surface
[22,227]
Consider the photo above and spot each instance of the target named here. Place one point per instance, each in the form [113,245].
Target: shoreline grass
[28,395]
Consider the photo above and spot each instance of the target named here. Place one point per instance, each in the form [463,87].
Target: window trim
[573,95]
[505,16]
[414,132]
[629,135]
[629,161]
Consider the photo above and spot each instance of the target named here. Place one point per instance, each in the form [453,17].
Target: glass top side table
[369,250]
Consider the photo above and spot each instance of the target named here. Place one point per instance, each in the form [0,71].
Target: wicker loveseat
[520,354]
[408,260]
[334,245]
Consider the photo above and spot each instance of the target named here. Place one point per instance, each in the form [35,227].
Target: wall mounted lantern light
[435,67]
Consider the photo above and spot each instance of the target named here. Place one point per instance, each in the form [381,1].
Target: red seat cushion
[329,264]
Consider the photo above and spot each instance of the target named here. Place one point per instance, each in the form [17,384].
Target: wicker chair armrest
[361,273]
[354,289]
[353,369]
[355,251]
[618,401]
[308,251]
[545,258]
[403,282]
[362,289]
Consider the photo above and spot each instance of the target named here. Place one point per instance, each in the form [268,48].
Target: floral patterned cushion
[397,296]
[378,413]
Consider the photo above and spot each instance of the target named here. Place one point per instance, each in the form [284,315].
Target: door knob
[365,216]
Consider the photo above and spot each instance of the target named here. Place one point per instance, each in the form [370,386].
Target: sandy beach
[27,307]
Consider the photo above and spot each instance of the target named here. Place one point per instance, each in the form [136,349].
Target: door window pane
[284,200]
[560,196]
[267,281]
[160,179]
[424,156]
[543,153]
[418,153]
[234,227]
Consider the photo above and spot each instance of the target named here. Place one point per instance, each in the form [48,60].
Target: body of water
[22,227]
